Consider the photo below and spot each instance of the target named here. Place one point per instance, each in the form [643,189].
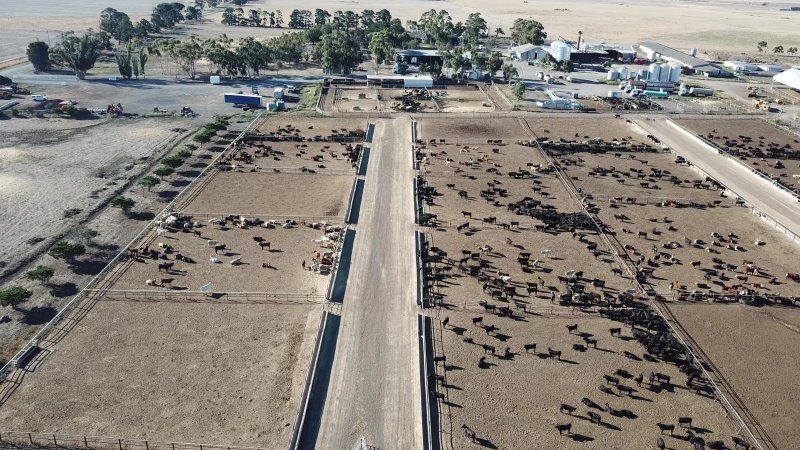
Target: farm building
[404,81]
[420,56]
[789,77]
[655,50]
[527,52]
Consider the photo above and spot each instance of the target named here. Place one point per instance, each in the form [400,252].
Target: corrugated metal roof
[418,52]
[670,53]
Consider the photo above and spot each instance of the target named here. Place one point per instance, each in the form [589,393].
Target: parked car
[39,98]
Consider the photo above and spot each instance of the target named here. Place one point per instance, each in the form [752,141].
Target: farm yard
[263,279]
[761,145]
[501,254]
[445,99]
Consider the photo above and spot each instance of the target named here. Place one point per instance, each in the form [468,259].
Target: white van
[39,98]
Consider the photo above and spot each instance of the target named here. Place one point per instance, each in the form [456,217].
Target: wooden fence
[56,440]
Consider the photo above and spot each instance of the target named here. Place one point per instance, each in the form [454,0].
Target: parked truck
[697,92]
[655,94]
[244,99]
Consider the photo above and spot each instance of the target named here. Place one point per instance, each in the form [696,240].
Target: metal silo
[643,74]
[663,74]
[655,71]
[674,74]
[623,73]
[612,75]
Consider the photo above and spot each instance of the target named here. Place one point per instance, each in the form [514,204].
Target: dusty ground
[730,135]
[204,372]
[48,168]
[747,344]
[472,131]
[774,258]
[464,100]
[289,247]
[270,194]
[513,402]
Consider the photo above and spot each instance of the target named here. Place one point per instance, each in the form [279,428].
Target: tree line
[336,41]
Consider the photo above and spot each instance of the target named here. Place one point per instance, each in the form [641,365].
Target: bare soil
[178,372]
[755,349]
[272,195]
[513,401]
[473,130]
[284,274]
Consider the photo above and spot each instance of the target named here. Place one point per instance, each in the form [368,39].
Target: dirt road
[374,389]
[757,191]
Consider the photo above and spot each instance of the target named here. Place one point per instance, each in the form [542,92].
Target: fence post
[119,441]
[85,443]
[30,438]
[146,446]
[55,442]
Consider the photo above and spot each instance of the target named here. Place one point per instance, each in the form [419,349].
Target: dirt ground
[472,130]
[773,258]
[289,247]
[463,291]
[730,135]
[272,194]
[755,349]
[176,372]
[355,100]
[48,167]
[463,100]
[513,400]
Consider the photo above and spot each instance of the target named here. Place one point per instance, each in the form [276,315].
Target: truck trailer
[697,92]
[244,99]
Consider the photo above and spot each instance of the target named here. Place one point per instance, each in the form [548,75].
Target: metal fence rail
[86,291]
[102,442]
[264,217]
[216,297]
[703,364]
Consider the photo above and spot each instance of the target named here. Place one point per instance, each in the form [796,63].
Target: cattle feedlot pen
[723,399]
[41,335]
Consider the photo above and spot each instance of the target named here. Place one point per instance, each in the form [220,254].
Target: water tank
[623,73]
[674,74]
[693,52]
[654,70]
[663,74]
[643,74]
[560,50]
[612,75]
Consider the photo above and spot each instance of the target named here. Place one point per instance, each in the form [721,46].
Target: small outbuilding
[790,77]
[397,81]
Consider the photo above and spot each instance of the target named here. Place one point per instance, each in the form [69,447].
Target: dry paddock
[756,351]
[276,194]
[177,372]
[513,401]
[283,274]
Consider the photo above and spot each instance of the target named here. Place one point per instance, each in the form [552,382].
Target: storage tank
[612,75]
[560,50]
[674,74]
[655,71]
[693,52]
[623,73]
[643,74]
[663,74]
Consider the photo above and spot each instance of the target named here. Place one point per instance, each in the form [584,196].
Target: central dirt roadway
[374,389]
[755,190]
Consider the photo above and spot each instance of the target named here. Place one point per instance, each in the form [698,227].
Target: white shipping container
[214,79]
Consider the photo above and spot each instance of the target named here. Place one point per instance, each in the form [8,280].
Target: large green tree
[117,24]
[338,52]
[13,296]
[79,53]
[380,45]
[475,28]
[39,55]
[528,31]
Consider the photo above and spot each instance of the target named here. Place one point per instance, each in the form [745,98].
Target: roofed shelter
[790,77]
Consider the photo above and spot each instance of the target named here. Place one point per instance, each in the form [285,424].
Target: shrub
[14,296]
[184,153]
[173,161]
[66,250]
[164,171]
[40,273]
[123,203]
